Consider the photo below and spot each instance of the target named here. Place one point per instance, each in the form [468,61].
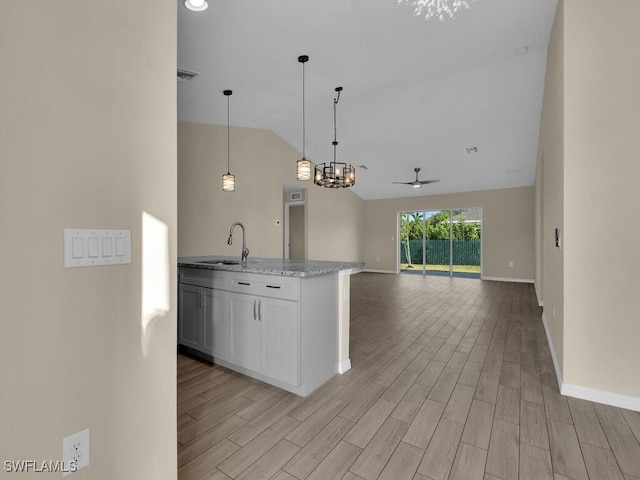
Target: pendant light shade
[335,174]
[303,169]
[228,180]
[303,166]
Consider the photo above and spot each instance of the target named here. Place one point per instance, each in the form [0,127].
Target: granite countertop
[269,266]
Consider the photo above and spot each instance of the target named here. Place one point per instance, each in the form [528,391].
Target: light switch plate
[94,247]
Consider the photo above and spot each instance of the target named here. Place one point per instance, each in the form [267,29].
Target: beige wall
[88,139]
[262,163]
[591,178]
[334,224]
[602,74]
[507,229]
[550,190]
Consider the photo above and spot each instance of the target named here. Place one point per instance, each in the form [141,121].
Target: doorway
[294,236]
[441,242]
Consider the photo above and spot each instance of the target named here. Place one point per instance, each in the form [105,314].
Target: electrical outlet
[511,264]
[76,452]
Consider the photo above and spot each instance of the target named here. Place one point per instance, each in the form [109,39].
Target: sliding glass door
[441,242]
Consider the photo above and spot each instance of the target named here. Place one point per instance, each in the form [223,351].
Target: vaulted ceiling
[417,93]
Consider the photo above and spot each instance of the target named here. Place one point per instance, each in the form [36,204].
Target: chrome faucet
[245,250]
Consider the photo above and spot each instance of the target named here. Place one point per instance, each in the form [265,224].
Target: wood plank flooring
[450,379]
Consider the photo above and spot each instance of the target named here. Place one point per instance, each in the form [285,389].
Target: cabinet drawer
[203,278]
[273,286]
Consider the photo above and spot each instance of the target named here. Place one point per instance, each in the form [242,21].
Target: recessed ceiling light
[471,149]
[196,5]
[522,50]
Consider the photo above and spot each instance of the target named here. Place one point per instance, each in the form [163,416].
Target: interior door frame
[287,205]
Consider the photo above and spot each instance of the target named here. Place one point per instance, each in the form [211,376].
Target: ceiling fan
[417,183]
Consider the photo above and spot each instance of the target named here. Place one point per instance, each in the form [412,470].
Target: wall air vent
[186,75]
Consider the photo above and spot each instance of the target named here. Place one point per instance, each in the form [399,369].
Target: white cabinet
[215,322]
[282,330]
[246,332]
[264,335]
[202,322]
[190,318]
[280,326]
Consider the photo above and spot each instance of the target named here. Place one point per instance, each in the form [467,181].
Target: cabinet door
[246,332]
[190,328]
[279,319]
[215,339]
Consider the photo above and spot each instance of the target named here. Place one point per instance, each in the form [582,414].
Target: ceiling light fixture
[336,174]
[228,180]
[436,8]
[196,5]
[303,166]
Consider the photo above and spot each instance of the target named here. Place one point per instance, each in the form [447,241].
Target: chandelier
[436,8]
[336,174]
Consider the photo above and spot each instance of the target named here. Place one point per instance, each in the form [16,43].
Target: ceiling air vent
[186,75]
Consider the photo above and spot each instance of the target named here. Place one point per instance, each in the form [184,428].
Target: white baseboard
[373,270]
[556,366]
[540,302]
[591,394]
[507,279]
[344,366]
[600,396]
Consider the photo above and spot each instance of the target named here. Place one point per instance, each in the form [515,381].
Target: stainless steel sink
[220,262]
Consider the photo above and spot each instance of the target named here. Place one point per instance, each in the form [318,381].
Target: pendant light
[228,180]
[303,166]
[336,174]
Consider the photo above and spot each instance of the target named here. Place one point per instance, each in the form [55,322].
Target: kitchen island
[285,322]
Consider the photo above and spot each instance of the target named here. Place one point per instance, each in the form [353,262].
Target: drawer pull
[243,283]
[273,286]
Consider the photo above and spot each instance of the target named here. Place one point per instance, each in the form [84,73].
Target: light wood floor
[450,379]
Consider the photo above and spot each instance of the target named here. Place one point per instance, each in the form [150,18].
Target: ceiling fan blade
[417,182]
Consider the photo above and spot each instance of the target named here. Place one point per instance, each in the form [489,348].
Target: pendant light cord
[228,137]
[303,115]
[335,129]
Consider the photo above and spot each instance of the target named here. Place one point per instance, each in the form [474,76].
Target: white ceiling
[416,92]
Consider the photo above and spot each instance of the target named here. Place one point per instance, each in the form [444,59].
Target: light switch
[120,247]
[107,246]
[77,245]
[92,247]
